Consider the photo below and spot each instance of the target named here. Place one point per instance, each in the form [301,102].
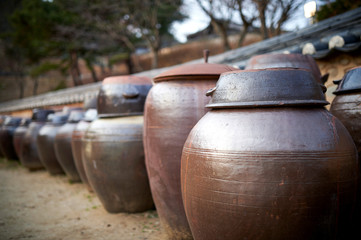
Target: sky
[197,20]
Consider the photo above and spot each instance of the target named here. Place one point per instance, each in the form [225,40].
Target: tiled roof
[338,34]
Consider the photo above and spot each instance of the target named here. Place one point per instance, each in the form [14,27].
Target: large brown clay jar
[269,162]
[173,106]
[46,140]
[77,141]
[62,145]
[19,134]
[7,136]
[113,154]
[29,157]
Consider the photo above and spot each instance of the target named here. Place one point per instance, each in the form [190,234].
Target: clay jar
[112,147]
[346,106]
[76,144]
[62,145]
[46,140]
[293,60]
[29,151]
[268,161]
[19,134]
[173,107]
[7,136]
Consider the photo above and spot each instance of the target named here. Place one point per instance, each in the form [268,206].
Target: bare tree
[272,14]
[220,13]
[247,17]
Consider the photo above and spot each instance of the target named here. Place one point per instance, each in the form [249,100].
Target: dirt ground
[35,205]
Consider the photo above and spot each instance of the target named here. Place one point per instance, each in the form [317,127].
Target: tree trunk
[129,63]
[243,34]
[222,32]
[21,83]
[262,5]
[155,57]
[35,87]
[74,68]
[92,70]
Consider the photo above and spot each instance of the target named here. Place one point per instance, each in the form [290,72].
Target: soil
[36,205]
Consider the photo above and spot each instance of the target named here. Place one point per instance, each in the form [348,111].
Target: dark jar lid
[25,122]
[287,60]
[12,121]
[59,118]
[75,116]
[275,87]
[351,82]
[41,115]
[204,71]
[90,115]
[123,96]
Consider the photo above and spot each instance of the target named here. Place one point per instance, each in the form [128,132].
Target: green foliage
[43,68]
[61,85]
[335,8]
[117,58]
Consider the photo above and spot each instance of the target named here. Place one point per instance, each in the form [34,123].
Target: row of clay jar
[268,161]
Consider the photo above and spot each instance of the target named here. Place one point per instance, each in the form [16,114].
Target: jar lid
[12,121]
[25,122]
[90,115]
[191,71]
[123,96]
[59,118]
[291,60]
[40,115]
[75,116]
[275,87]
[351,82]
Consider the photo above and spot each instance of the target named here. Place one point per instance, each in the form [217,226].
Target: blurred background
[47,45]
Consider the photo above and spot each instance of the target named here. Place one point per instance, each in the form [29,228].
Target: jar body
[19,134]
[6,142]
[63,151]
[45,141]
[76,146]
[172,109]
[113,159]
[347,109]
[29,151]
[269,173]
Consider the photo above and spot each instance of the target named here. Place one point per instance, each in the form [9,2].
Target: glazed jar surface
[29,151]
[19,134]
[63,151]
[7,136]
[76,146]
[173,106]
[269,165]
[45,142]
[113,159]
[29,157]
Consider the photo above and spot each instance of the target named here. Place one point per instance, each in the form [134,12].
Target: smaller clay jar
[2,119]
[19,134]
[76,144]
[112,148]
[45,142]
[62,145]
[293,60]
[29,156]
[347,104]
[6,137]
